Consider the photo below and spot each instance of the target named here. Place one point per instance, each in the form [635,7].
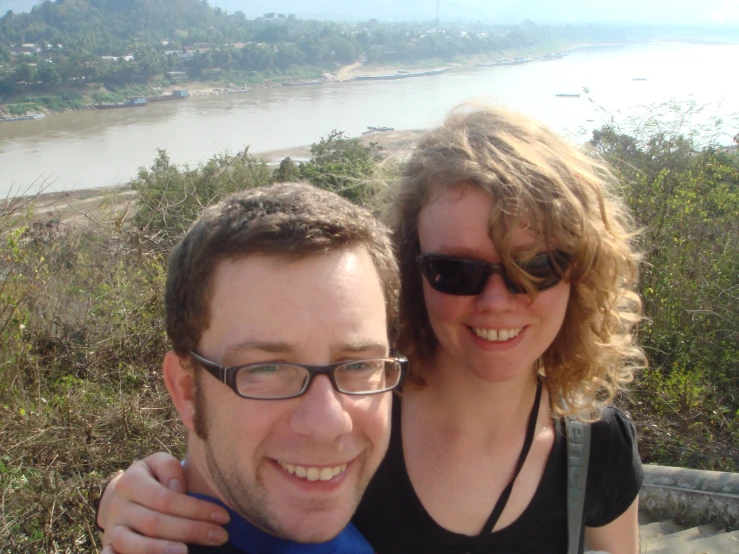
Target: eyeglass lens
[278,380]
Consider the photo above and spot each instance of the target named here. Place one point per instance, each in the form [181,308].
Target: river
[96,148]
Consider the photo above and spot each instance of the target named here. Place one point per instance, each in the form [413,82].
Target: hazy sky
[505,11]
[500,11]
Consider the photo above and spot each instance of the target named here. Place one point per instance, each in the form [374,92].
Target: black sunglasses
[465,277]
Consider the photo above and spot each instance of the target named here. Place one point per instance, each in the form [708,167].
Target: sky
[692,12]
[504,11]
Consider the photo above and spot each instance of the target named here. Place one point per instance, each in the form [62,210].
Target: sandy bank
[99,206]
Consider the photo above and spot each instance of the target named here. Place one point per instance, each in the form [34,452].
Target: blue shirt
[244,537]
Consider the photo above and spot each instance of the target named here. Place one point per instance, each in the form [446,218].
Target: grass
[81,395]
[80,392]
[67,100]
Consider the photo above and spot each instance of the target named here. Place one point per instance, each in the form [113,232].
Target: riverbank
[102,205]
[229,82]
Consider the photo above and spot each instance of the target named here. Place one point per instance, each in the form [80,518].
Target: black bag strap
[503,499]
[578,457]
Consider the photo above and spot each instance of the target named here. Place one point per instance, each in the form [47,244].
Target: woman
[517,307]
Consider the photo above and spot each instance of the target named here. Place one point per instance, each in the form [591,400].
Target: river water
[97,148]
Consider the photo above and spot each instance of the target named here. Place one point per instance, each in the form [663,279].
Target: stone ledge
[690,496]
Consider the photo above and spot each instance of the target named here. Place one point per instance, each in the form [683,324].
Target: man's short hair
[287,220]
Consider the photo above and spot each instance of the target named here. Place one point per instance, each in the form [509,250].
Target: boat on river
[134,102]
[402,74]
[177,94]
[372,130]
[504,62]
[26,117]
[302,83]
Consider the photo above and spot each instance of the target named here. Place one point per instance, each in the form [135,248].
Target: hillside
[74,53]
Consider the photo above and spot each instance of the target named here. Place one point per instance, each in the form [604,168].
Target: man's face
[318,310]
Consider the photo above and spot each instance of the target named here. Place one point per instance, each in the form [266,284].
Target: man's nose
[320,413]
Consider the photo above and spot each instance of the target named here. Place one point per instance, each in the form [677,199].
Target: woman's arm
[140,515]
[621,536]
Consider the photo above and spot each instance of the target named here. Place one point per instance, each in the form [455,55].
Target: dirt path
[345,73]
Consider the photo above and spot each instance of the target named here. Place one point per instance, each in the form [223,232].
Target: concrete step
[667,537]
[658,529]
[722,543]
[658,543]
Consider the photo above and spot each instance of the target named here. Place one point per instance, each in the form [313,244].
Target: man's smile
[312,473]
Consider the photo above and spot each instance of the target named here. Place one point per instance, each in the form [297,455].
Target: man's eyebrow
[274,347]
[364,346]
[280,347]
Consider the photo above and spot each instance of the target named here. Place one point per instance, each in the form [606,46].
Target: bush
[684,191]
[80,391]
[82,334]
[170,198]
[343,166]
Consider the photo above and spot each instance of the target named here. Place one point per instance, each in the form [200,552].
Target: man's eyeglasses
[279,380]
[465,277]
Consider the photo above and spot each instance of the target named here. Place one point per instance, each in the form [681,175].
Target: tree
[287,171]
[48,75]
[342,165]
[345,50]
[684,193]
[170,198]
[25,72]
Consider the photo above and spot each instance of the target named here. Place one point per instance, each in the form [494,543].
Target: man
[278,302]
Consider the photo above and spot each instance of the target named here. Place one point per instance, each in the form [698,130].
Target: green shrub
[344,166]
[684,192]
[171,198]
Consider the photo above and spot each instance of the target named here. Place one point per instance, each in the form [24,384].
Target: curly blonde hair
[566,196]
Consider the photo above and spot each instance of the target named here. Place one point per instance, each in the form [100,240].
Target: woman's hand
[144,510]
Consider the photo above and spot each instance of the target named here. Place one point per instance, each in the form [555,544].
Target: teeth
[496,335]
[313,473]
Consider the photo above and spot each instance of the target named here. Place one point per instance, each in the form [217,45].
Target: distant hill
[504,12]
[17,6]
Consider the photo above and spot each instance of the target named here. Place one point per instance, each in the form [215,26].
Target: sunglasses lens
[455,276]
[464,277]
[543,270]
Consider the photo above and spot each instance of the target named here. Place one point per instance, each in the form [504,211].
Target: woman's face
[496,335]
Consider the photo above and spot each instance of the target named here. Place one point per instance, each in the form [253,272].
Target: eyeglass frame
[422,260]
[227,374]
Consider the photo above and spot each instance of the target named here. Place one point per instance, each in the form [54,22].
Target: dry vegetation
[81,331]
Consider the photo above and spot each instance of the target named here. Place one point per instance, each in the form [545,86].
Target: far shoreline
[351,71]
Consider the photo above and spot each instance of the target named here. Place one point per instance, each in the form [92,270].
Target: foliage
[79,388]
[83,336]
[684,192]
[56,102]
[152,37]
[170,198]
[287,171]
[342,165]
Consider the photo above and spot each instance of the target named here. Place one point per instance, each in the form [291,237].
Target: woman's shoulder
[614,428]
[615,471]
